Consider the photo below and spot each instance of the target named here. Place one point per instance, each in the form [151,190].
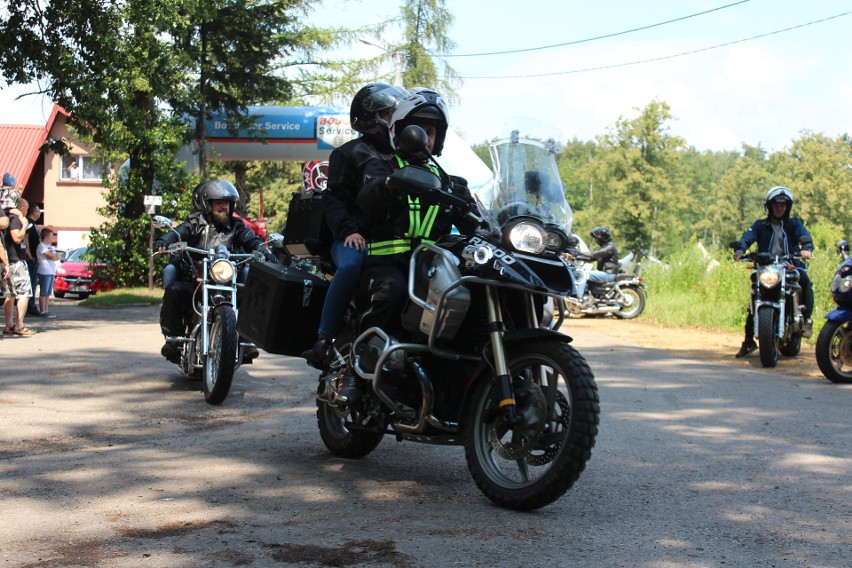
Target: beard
[220,217]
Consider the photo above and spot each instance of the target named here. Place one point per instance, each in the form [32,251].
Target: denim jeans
[349,261]
[599,276]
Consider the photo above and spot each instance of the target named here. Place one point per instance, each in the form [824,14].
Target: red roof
[19,145]
[19,150]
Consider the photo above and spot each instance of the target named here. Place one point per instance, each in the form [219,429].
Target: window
[82,168]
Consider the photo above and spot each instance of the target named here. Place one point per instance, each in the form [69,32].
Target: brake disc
[531,406]
[557,429]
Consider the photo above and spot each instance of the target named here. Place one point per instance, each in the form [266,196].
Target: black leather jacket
[606,257]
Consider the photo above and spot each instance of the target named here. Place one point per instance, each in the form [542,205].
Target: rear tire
[834,351]
[637,303]
[793,345]
[767,324]
[220,363]
[338,436]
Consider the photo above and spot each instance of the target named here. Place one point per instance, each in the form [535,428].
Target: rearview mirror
[414,142]
[161,222]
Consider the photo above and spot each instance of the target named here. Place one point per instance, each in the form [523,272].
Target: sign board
[152,199]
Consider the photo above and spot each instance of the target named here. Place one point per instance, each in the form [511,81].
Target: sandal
[8,331]
[23,331]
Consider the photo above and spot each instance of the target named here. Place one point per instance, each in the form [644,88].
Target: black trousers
[386,286]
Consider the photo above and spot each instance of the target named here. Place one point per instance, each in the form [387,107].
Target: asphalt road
[109,458]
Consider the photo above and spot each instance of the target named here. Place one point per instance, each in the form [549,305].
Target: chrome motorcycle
[212,350]
[776,303]
[477,364]
[624,297]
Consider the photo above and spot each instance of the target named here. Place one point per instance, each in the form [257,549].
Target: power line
[575,42]
[653,59]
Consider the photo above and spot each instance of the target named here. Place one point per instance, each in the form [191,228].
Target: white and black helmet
[425,106]
[779,194]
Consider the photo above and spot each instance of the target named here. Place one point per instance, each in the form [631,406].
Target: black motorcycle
[477,364]
[623,297]
[776,302]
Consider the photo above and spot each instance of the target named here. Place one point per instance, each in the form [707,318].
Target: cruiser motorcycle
[212,350]
[834,343]
[477,364]
[624,297]
[778,322]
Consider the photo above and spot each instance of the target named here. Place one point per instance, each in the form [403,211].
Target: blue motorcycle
[834,343]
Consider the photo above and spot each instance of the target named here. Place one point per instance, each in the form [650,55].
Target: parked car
[75,276]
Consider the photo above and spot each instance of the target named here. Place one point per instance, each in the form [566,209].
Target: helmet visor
[384,98]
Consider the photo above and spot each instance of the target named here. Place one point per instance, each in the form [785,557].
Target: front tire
[340,437]
[220,363]
[533,463]
[633,302]
[767,324]
[834,351]
[793,345]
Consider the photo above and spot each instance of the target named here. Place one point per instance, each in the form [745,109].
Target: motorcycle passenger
[778,234]
[369,114]
[606,256]
[211,225]
[399,222]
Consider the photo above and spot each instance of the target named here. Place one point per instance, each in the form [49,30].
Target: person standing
[17,288]
[46,271]
[32,241]
[73,171]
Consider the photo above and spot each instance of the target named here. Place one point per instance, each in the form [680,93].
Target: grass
[125,297]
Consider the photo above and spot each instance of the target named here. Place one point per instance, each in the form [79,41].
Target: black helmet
[211,190]
[601,235]
[368,102]
[781,194]
[423,107]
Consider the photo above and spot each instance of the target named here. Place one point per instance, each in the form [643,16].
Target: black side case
[306,233]
[280,308]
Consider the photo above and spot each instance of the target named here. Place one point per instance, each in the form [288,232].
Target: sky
[764,92]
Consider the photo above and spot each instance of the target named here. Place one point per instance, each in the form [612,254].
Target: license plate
[78,288]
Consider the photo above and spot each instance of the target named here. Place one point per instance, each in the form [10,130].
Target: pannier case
[280,308]
[305,233]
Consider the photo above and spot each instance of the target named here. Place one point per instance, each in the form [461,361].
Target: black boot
[171,351]
[249,355]
[315,356]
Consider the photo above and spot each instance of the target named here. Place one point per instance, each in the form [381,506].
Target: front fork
[505,392]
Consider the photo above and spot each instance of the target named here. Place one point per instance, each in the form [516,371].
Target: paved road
[109,458]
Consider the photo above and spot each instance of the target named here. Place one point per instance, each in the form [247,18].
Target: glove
[159,244]
[269,257]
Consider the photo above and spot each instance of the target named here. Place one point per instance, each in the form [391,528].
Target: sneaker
[316,354]
[353,387]
[746,348]
[171,351]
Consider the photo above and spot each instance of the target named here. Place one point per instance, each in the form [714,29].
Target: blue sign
[272,123]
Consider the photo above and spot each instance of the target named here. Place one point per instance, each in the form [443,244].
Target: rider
[606,256]
[369,114]
[400,222]
[211,225]
[778,234]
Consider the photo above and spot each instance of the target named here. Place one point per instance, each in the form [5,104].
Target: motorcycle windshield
[526,183]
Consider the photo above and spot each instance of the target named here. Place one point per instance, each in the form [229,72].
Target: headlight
[557,240]
[222,271]
[527,237]
[840,285]
[769,278]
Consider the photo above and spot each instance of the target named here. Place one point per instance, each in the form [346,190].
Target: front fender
[839,314]
[520,335]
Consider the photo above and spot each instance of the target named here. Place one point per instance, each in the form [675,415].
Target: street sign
[152,199]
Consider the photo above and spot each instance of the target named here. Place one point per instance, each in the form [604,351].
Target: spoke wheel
[632,303]
[220,363]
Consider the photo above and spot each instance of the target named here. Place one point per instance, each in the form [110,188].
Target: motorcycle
[834,342]
[476,364]
[212,350]
[776,302]
[624,297]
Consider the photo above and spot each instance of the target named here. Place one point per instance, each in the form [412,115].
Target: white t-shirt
[45,265]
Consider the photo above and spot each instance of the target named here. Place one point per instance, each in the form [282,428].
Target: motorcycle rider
[369,114]
[778,234]
[606,256]
[399,222]
[212,224]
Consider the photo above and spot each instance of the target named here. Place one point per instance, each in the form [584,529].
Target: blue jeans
[349,261]
[170,272]
[599,276]
[45,285]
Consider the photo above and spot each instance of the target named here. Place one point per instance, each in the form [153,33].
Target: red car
[74,276]
[257,229]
